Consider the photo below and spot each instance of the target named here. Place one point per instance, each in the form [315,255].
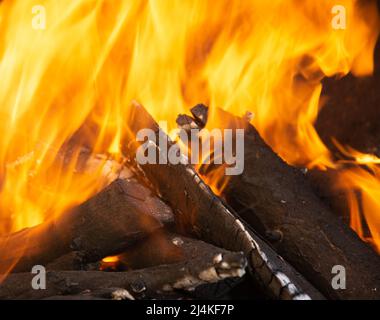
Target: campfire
[189,150]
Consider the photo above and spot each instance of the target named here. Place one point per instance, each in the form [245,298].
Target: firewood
[66,262]
[158,248]
[198,210]
[115,218]
[276,199]
[324,185]
[72,261]
[152,282]
[166,248]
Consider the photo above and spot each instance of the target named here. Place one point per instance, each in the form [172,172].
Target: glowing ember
[110,263]
[111,259]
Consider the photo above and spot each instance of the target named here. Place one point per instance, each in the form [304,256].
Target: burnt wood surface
[166,248]
[279,203]
[115,218]
[154,282]
[198,210]
[159,248]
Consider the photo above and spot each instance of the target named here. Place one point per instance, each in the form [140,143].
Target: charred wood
[279,203]
[198,210]
[167,248]
[152,282]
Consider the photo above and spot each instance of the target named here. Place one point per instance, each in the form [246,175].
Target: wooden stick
[117,217]
[152,282]
[199,210]
[160,248]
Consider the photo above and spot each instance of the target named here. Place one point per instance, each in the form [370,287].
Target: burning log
[115,218]
[159,249]
[277,201]
[152,282]
[198,210]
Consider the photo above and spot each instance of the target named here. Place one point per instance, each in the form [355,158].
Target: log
[153,282]
[200,212]
[279,203]
[166,248]
[72,261]
[159,248]
[66,262]
[106,224]
[324,185]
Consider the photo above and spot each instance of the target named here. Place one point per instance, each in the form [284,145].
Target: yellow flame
[111,259]
[109,263]
[74,80]
[363,192]
[361,182]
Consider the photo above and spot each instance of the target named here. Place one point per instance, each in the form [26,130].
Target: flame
[363,194]
[74,80]
[361,182]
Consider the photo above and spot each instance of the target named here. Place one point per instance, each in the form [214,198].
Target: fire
[75,79]
[112,259]
[109,263]
[363,192]
[361,182]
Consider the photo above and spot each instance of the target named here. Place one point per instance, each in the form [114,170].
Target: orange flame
[109,263]
[361,182]
[363,192]
[75,78]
